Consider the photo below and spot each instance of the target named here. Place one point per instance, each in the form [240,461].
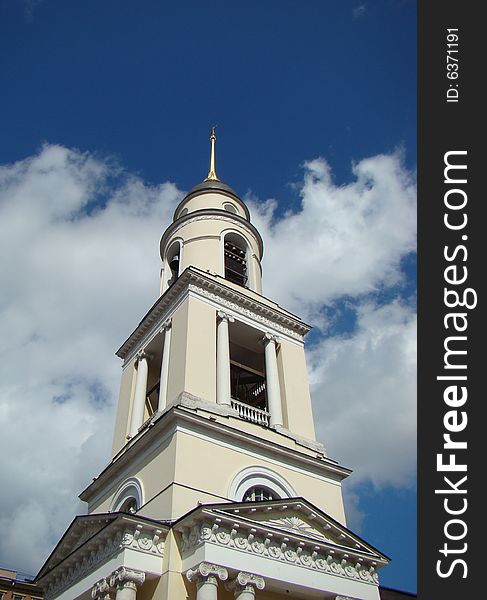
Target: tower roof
[211,184]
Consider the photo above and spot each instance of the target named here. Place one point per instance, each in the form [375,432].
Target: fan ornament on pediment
[297,525]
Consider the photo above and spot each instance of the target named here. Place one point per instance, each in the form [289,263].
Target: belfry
[217,487]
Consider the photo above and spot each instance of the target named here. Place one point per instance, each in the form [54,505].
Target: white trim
[271,316]
[130,488]
[261,477]
[237,447]
[246,316]
[212,433]
[294,577]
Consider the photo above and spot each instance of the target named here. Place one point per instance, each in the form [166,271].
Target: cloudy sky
[105,121]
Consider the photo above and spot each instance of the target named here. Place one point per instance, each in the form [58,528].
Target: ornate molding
[112,540]
[149,542]
[212,215]
[215,290]
[272,545]
[241,306]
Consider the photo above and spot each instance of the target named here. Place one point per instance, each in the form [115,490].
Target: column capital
[270,337]
[143,354]
[166,325]
[205,569]
[245,582]
[101,590]
[124,577]
[223,316]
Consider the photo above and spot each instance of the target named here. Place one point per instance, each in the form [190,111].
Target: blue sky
[315,103]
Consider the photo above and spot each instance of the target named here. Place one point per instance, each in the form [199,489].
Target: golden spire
[212,172]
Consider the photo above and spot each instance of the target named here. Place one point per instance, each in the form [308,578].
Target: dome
[211,184]
[211,194]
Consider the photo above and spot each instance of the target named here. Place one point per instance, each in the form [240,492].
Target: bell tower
[217,487]
[214,373]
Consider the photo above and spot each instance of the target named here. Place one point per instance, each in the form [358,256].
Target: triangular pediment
[299,518]
[111,530]
[81,529]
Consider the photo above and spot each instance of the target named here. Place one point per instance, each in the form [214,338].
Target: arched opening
[129,497]
[259,493]
[254,484]
[235,257]
[129,506]
[173,259]
[247,373]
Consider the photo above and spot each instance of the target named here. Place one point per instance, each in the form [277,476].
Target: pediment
[81,529]
[109,532]
[301,519]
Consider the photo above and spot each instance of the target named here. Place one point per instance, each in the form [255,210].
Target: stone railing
[250,413]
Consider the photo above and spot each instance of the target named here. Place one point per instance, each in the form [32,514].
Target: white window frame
[259,477]
[131,488]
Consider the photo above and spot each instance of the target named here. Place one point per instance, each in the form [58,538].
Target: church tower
[217,487]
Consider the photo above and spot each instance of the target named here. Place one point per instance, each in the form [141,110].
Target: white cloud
[73,226]
[66,306]
[345,241]
[364,392]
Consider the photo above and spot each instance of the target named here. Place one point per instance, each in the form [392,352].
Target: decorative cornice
[118,536]
[165,424]
[197,282]
[259,540]
[213,214]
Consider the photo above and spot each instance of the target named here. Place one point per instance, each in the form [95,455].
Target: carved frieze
[141,538]
[281,548]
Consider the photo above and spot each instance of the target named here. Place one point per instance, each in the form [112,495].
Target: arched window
[259,493]
[129,497]
[129,506]
[235,255]
[259,483]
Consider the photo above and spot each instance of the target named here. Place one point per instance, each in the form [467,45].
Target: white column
[272,380]
[245,584]
[140,393]
[223,387]
[126,582]
[166,328]
[206,576]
